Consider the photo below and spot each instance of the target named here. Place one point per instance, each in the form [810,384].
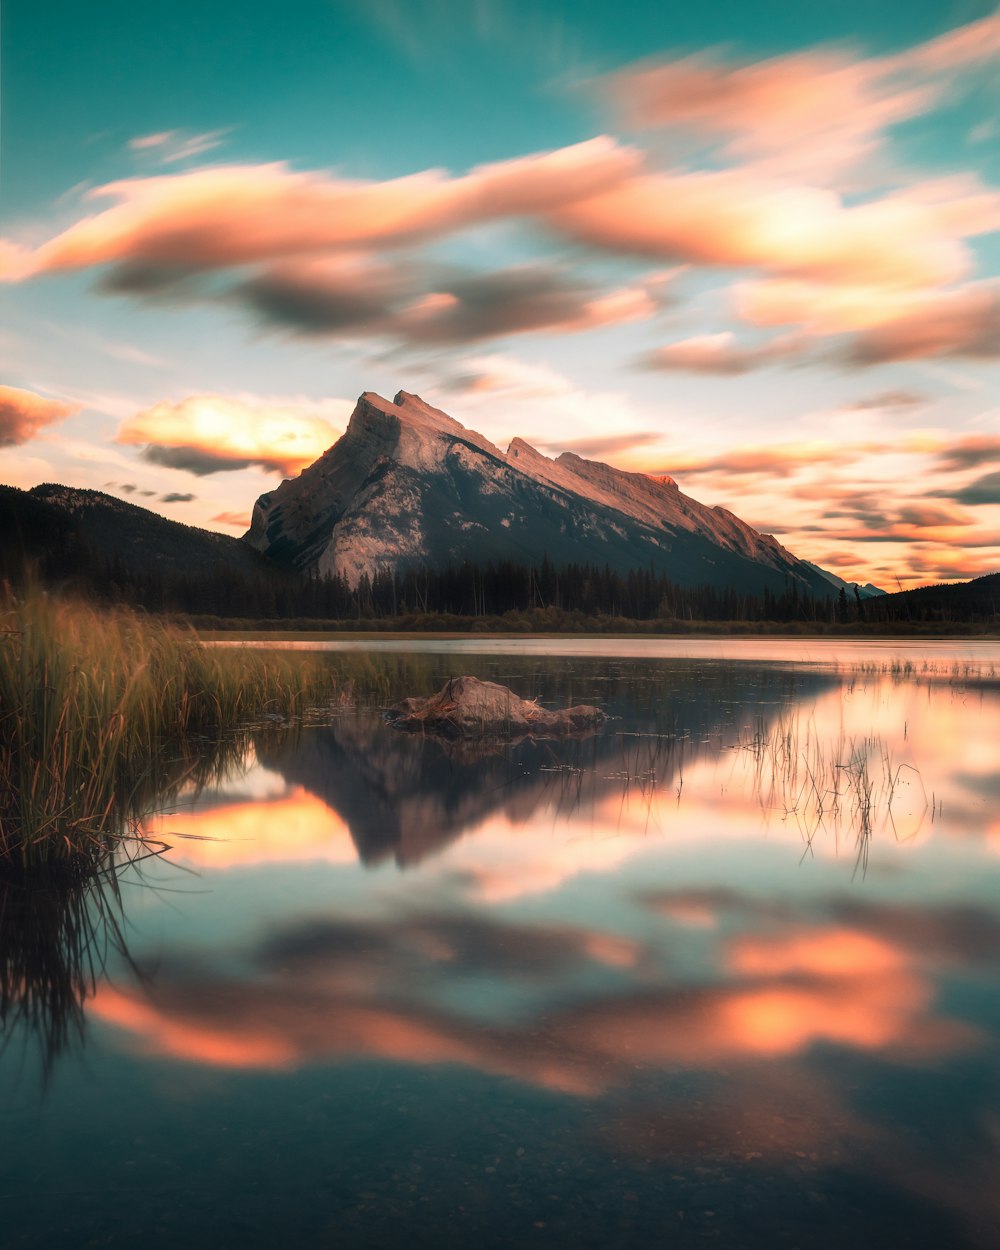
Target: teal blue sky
[764,255]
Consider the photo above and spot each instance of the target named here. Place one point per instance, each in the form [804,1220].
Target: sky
[755,247]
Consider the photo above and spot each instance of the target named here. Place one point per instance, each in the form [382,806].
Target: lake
[725,972]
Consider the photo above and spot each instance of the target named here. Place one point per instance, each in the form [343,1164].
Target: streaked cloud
[970,451]
[737,218]
[720,354]
[213,218]
[419,306]
[984,490]
[888,401]
[775,459]
[824,110]
[606,445]
[238,520]
[24,413]
[205,434]
[169,146]
[960,323]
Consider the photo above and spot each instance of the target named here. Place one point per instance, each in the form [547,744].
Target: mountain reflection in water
[621,990]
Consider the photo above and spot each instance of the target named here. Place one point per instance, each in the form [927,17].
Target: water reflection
[644,960]
[55,938]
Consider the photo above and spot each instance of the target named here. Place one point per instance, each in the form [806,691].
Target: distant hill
[407,487]
[105,548]
[867,591]
[976,600]
[51,520]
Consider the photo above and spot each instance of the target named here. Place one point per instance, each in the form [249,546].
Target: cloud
[496,373]
[930,516]
[738,218]
[960,323]
[821,111]
[776,459]
[815,111]
[238,520]
[970,452]
[177,497]
[166,229]
[24,413]
[887,401]
[605,445]
[206,434]
[341,295]
[225,216]
[983,491]
[887,322]
[719,354]
[432,308]
[974,43]
[169,146]
[514,301]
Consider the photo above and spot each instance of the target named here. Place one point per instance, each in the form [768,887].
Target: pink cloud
[235,215]
[821,110]
[737,219]
[963,322]
[23,414]
[720,354]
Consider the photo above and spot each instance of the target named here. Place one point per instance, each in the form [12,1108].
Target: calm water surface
[726,972]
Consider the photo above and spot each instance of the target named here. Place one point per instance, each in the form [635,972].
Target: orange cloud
[738,218]
[24,413]
[238,520]
[964,322]
[719,354]
[776,459]
[819,109]
[823,110]
[240,214]
[206,434]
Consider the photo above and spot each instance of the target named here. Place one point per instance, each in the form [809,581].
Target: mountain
[51,519]
[945,603]
[408,486]
[867,591]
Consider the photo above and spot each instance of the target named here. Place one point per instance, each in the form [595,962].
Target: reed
[842,783]
[102,708]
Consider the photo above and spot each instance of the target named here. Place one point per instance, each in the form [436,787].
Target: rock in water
[466,707]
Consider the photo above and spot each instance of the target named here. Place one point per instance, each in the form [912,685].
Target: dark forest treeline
[205,576]
[543,597]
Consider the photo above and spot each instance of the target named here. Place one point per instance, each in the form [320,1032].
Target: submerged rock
[466,707]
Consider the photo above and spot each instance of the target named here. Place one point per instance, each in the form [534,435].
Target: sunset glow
[758,253]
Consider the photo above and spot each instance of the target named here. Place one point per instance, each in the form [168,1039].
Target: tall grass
[102,708]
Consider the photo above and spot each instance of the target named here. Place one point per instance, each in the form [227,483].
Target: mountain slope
[66,530]
[407,486]
[867,591]
[976,600]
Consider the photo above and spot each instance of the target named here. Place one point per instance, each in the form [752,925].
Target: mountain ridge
[407,484]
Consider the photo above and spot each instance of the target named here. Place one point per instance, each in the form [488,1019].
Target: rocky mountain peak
[408,485]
